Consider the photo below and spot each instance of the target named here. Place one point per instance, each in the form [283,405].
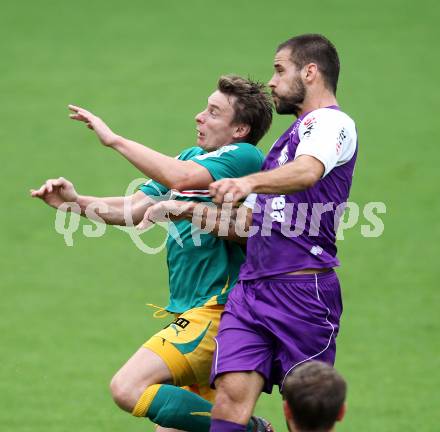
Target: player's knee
[125,396]
[227,407]
[229,391]
[231,403]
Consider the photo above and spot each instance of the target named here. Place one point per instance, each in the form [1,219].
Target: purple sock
[218,425]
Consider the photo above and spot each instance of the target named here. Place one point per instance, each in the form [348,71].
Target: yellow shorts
[187,346]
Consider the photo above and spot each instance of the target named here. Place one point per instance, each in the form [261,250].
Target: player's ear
[341,412]
[309,72]
[241,131]
[287,411]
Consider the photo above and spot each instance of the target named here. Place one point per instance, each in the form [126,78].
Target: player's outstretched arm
[171,172]
[112,210]
[295,176]
[228,223]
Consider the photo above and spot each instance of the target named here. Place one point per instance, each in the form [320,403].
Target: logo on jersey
[283,158]
[340,141]
[179,322]
[309,125]
[316,250]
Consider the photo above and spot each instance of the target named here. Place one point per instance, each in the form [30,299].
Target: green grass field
[70,316]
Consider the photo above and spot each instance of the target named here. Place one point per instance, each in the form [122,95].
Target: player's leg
[185,347]
[138,387]
[237,394]
[144,369]
[187,410]
[242,362]
[177,408]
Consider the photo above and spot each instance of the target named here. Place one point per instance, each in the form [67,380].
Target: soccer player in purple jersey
[286,307]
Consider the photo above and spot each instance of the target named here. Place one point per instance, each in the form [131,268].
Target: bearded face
[288,88]
[290,101]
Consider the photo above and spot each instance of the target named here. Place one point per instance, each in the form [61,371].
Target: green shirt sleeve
[153,188]
[230,161]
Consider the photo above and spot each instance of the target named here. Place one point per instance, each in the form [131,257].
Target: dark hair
[315,48]
[252,105]
[315,393]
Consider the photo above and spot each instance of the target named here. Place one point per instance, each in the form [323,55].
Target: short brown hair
[252,106]
[315,48]
[315,393]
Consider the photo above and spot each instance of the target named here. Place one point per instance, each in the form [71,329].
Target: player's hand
[104,133]
[164,211]
[230,190]
[55,192]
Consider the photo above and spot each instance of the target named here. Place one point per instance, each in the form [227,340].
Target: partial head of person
[314,398]
[306,67]
[240,110]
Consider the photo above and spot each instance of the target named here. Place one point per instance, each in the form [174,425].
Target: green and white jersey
[203,268]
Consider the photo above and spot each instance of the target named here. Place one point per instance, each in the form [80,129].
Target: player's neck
[314,101]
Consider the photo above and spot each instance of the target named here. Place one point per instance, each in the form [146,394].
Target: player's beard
[291,103]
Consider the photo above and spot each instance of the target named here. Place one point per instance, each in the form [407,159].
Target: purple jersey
[298,231]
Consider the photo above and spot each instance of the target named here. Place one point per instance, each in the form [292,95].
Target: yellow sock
[144,402]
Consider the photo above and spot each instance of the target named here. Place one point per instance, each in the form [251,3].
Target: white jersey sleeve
[329,135]
[250,201]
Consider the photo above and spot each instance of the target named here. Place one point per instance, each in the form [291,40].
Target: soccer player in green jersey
[154,382]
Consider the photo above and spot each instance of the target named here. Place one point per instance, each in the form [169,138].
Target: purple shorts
[274,324]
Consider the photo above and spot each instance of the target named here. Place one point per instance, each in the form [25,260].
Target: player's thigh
[142,369]
[187,345]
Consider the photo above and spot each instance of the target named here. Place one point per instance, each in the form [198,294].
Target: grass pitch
[70,316]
